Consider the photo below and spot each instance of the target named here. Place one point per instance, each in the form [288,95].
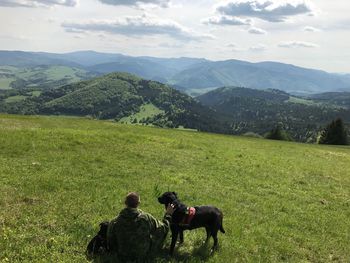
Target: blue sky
[313,34]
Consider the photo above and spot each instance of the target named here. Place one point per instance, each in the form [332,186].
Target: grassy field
[60,177]
[15,98]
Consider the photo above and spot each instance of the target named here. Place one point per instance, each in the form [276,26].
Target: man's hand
[170,209]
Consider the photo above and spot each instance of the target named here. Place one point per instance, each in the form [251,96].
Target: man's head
[132,200]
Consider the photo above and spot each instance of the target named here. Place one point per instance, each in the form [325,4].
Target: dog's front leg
[174,234]
[181,232]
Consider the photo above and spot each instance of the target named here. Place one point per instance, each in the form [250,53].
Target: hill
[61,177]
[40,77]
[193,75]
[261,110]
[265,75]
[118,96]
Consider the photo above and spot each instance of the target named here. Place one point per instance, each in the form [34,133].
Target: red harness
[190,213]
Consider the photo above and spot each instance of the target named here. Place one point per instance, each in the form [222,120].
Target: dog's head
[167,198]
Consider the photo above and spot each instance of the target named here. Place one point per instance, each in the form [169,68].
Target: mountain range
[191,75]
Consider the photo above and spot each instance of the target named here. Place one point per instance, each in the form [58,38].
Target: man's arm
[164,225]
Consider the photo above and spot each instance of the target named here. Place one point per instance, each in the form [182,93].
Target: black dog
[98,245]
[187,218]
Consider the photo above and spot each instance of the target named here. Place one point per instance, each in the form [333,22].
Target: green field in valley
[146,111]
[5,83]
[60,177]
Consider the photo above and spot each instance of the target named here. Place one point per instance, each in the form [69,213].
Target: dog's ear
[174,193]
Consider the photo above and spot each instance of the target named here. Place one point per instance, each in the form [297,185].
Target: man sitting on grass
[135,235]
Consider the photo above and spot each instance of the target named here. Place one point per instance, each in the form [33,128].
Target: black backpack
[98,245]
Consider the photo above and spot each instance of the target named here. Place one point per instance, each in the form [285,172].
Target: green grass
[60,177]
[5,83]
[147,110]
[35,93]
[311,102]
[15,98]
[52,73]
[301,101]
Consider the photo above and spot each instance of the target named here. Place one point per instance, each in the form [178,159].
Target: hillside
[261,110]
[61,177]
[265,75]
[117,96]
[40,77]
[193,75]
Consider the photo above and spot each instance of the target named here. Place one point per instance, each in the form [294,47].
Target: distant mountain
[259,111]
[32,59]
[86,58]
[119,96]
[40,77]
[265,75]
[191,75]
[141,67]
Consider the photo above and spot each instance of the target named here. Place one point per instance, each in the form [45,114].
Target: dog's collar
[175,206]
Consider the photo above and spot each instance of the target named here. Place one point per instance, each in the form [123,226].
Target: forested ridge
[260,111]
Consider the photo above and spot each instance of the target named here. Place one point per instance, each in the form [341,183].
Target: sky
[313,34]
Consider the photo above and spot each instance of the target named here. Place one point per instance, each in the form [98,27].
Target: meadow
[61,176]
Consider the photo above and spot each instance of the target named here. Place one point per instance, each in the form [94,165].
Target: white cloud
[136,26]
[226,20]
[272,11]
[232,45]
[311,29]
[161,3]
[258,31]
[297,44]
[171,45]
[37,3]
[258,48]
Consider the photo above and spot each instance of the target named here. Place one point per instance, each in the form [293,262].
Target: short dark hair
[132,200]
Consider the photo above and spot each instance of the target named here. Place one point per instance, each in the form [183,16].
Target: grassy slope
[60,177]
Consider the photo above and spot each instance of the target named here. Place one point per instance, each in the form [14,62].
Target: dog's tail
[222,230]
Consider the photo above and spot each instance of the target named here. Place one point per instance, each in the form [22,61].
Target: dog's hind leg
[214,234]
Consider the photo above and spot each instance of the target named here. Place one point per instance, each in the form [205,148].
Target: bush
[278,134]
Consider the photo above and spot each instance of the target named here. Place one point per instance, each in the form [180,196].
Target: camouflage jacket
[132,232]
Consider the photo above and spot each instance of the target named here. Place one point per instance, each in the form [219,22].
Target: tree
[335,133]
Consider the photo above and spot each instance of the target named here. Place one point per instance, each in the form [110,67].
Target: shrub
[278,134]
